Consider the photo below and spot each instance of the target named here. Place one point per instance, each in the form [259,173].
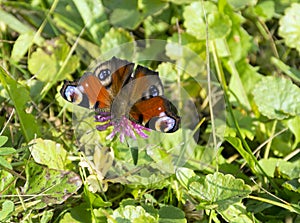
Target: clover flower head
[122,125]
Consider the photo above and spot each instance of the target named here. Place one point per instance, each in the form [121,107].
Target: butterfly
[115,89]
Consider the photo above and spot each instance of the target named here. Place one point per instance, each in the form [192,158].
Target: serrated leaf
[19,95]
[219,191]
[289,28]
[47,66]
[277,98]
[219,25]
[52,186]
[42,65]
[49,153]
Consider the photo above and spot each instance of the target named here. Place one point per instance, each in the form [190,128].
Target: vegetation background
[252,177]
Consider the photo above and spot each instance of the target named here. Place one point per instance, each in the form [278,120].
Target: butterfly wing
[113,74]
[88,92]
[156,113]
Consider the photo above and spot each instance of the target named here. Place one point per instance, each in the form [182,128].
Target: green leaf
[292,185]
[49,153]
[13,22]
[4,163]
[265,10]
[277,98]
[52,186]
[131,213]
[3,140]
[7,209]
[281,168]
[113,39]
[19,95]
[294,126]
[219,25]
[184,175]
[124,13]
[219,191]
[47,66]
[289,28]
[237,4]
[94,16]
[22,45]
[153,7]
[237,213]
[237,144]
[6,151]
[171,214]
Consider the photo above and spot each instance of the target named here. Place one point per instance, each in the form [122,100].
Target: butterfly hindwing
[156,113]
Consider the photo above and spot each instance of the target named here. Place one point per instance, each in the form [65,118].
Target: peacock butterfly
[115,90]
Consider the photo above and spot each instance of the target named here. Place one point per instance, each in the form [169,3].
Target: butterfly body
[114,87]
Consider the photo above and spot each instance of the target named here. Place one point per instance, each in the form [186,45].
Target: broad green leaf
[265,10]
[281,168]
[289,28]
[49,153]
[153,7]
[6,211]
[277,98]
[219,191]
[171,214]
[79,214]
[13,22]
[6,151]
[22,45]
[4,163]
[131,213]
[6,182]
[237,4]
[219,25]
[47,66]
[3,140]
[47,216]
[52,186]
[19,96]
[112,41]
